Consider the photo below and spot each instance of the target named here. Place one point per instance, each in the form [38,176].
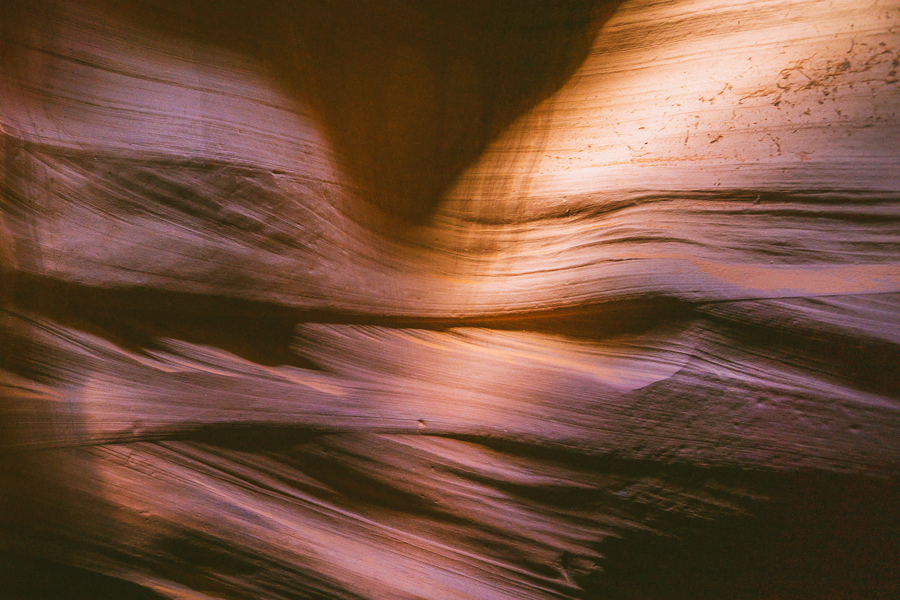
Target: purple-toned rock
[482,299]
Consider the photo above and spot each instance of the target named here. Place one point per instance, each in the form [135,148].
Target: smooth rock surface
[508,299]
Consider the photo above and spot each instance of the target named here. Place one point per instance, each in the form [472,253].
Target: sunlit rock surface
[395,299]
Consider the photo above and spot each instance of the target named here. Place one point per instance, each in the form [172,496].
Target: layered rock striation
[450,300]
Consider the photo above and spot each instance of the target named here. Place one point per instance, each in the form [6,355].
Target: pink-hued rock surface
[483,299]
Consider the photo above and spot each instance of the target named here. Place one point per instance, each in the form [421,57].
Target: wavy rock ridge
[505,299]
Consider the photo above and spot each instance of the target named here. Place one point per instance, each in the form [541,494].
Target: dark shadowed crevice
[138,318]
[797,536]
[819,537]
[27,578]
[264,332]
[410,92]
[864,362]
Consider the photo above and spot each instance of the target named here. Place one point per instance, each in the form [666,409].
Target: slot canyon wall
[506,299]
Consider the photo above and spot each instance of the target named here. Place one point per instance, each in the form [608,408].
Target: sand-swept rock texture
[483,299]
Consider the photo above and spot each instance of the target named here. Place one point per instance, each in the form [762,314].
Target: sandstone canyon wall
[445,300]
